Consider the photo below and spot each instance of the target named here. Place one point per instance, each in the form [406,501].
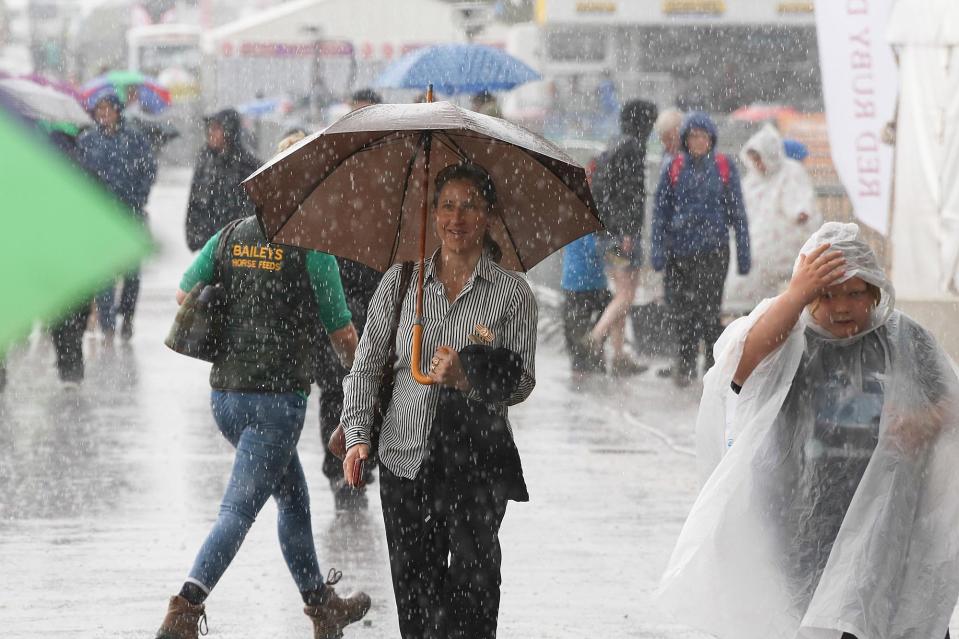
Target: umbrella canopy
[152,97]
[39,102]
[762,112]
[457,68]
[356,189]
[53,209]
[60,85]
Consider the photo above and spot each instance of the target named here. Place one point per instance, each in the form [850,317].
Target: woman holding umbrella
[447,461]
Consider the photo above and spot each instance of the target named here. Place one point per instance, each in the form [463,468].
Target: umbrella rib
[406,187]
[536,157]
[509,234]
[372,144]
[445,139]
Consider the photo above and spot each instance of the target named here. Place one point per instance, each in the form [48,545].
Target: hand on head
[816,272]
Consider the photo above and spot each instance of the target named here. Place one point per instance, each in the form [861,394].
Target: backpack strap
[675,168]
[722,165]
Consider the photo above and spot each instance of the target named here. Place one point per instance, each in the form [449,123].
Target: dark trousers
[329,380]
[108,308]
[694,293]
[67,337]
[446,569]
[581,311]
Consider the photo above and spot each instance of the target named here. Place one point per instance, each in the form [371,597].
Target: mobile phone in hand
[357,475]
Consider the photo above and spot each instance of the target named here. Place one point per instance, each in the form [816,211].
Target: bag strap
[406,276]
[675,168]
[722,165]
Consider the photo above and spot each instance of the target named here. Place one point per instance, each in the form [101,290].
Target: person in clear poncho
[829,433]
[781,207]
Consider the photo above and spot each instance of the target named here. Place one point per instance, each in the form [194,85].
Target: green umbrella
[66,237]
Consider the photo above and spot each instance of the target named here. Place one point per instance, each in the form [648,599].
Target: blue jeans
[264,428]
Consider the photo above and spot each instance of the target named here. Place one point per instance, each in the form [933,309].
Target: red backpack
[676,167]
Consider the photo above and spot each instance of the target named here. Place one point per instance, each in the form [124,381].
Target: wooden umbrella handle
[416,357]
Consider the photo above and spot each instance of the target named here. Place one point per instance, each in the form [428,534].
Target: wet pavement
[107,491]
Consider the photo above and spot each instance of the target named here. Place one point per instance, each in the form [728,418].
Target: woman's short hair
[470,172]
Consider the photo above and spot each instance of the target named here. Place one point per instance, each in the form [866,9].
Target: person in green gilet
[276,299]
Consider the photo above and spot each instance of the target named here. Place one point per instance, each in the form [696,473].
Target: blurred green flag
[66,238]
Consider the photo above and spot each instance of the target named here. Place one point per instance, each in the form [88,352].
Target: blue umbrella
[457,68]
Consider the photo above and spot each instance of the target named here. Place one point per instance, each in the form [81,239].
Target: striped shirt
[494,297]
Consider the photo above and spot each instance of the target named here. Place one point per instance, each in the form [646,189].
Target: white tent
[925,219]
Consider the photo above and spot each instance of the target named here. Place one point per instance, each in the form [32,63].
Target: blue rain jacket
[124,163]
[694,215]
[583,265]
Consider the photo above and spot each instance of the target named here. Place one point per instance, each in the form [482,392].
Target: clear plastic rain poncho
[774,200]
[836,506]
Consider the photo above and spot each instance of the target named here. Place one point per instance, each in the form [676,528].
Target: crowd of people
[698,199]
[826,434]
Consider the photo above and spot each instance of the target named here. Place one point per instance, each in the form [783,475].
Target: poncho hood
[861,262]
[769,145]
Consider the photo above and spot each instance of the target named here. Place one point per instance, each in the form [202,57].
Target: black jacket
[470,447]
[216,196]
[619,186]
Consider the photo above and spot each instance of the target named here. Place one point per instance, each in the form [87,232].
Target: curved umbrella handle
[417,355]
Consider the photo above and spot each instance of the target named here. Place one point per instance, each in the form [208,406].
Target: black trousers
[329,380]
[694,293]
[581,311]
[67,337]
[446,569]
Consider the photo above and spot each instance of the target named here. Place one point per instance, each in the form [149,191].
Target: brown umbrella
[359,189]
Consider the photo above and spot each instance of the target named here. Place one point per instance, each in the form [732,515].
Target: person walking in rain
[585,297]
[697,200]
[276,297]
[67,332]
[781,207]
[216,197]
[448,464]
[619,188]
[121,158]
[830,506]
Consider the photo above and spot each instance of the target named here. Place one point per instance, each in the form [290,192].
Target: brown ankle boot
[330,617]
[182,620]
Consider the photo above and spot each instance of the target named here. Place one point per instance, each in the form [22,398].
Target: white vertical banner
[859,85]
